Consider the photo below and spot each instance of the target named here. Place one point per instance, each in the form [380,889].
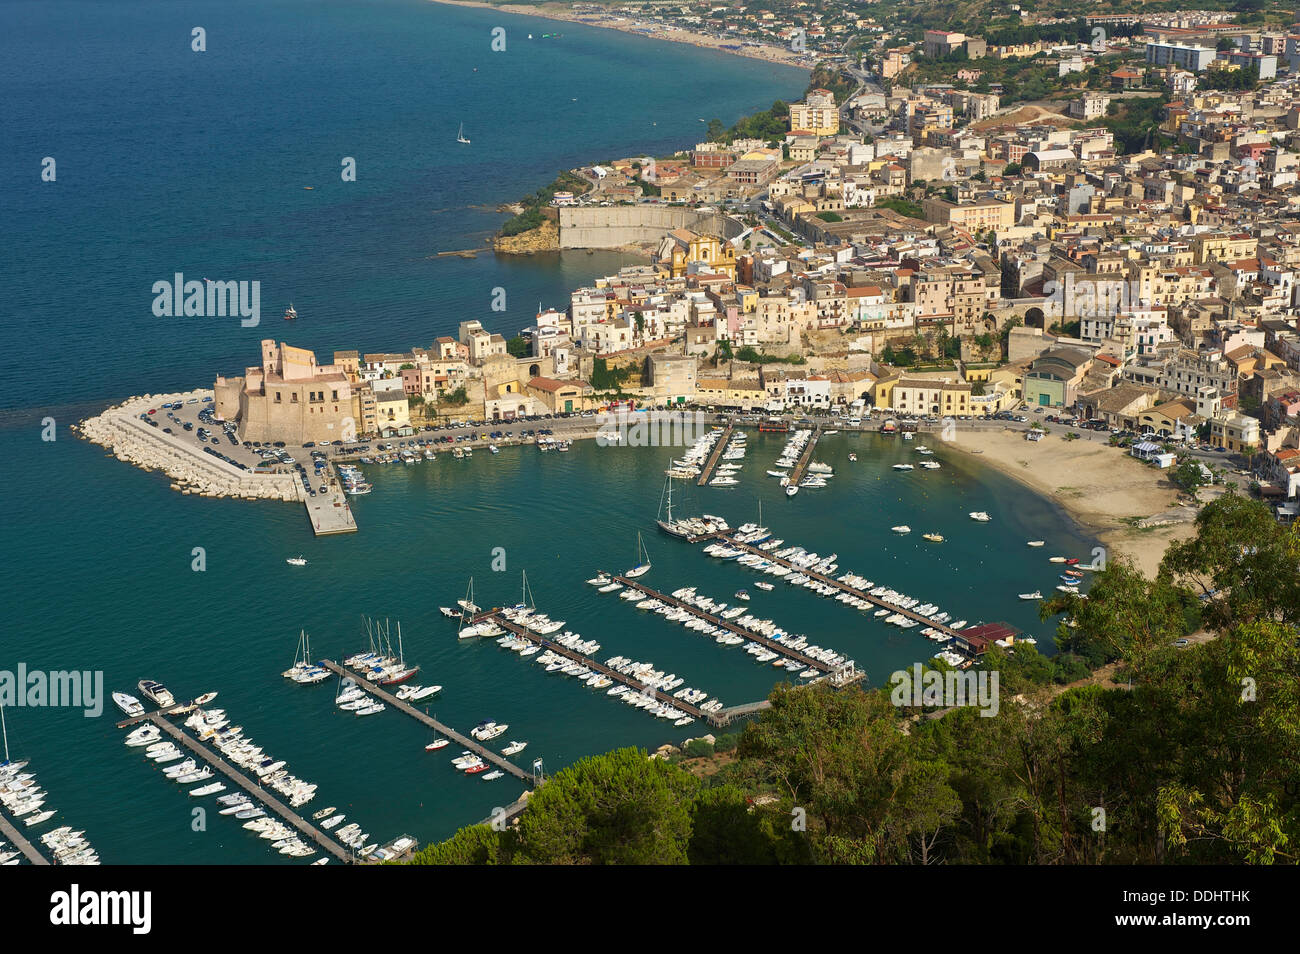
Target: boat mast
[5,729]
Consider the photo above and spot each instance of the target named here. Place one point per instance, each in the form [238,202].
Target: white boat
[1036,595]
[156,693]
[494,774]
[448,612]
[764,586]
[901,528]
[791,490]
[128,704]
[460,136]
[980,516]
[1035,543]
[903,467]
[296,561]
[207,790]
[641,568]
[514,748]
[204,699]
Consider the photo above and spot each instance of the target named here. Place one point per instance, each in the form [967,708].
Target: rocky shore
[120,430]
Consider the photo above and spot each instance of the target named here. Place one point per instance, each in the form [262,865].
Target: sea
[226,163]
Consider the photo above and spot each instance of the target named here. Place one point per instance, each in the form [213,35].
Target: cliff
[544,238]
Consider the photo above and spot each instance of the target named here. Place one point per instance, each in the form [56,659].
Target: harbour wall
[130,439]
[616,226]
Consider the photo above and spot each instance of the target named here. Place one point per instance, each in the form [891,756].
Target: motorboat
[901,528]
[933,537]
[296,561]
[980,516]
[514,748]
[764,586]
[156,693]
[1036,595]
[1035,543]
[903,467]
[448,612]
[128,704]
[486,731]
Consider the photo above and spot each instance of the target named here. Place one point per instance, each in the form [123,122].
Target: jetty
[15,837]
[305,828]
[496,758]
[732,627]
[329,512]
[718,450]
[841,586]
[496,616]
[805,458]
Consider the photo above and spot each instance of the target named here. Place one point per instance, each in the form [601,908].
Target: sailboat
[401,674]
[641,568]
[290,314]
[460,136]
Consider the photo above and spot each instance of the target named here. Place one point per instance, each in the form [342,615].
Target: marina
[389,699]
[706,473]
[14,837]
[801,467]
[318,837]
[731,626]
[498,617]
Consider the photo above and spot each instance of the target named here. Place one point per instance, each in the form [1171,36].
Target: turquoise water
[171,162]
[116,592]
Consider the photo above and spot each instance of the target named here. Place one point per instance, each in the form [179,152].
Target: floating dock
[805,458]
[694,711]
[496,758]
[314,834]
[765,641]
[718,450]
[15,838]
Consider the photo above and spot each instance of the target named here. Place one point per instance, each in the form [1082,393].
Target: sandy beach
[655,31]
[1131,506]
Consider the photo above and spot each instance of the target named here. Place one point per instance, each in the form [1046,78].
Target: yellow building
[981,216]
[681,247]
[937,396]
[817,114]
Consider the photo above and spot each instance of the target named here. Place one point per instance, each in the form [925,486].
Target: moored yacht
[128,704]
[156,693]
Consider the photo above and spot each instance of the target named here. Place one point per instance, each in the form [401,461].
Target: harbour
[563,724]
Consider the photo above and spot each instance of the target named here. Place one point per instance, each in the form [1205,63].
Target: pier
[315,835]
[718,450]
[496,758]
[805,458]
[766,642]
[690,710]
[329,512]
[15,838]
[842,587]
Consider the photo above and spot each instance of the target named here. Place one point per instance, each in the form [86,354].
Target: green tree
[618,808]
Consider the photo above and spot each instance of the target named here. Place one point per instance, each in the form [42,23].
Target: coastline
[1125,503]
[607,21]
